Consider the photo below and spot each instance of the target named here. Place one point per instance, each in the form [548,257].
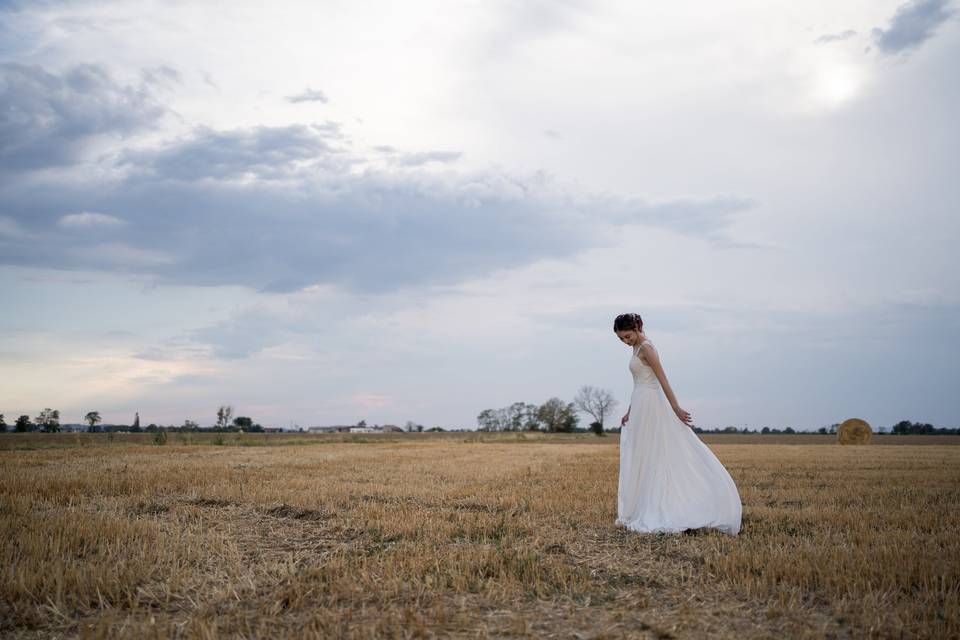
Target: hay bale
[854,431]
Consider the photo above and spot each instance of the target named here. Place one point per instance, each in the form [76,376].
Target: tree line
[554,415]
[904,427]
[49,422]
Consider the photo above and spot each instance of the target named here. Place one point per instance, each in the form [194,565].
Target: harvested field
[466,536]
[35,440]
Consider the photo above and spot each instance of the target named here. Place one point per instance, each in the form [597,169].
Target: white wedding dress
[669,479]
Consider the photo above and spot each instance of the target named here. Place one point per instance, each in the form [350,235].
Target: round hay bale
[854,431]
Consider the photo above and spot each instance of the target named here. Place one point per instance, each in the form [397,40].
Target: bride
[669,480]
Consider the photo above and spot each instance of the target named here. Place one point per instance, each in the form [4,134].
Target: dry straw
[854,431]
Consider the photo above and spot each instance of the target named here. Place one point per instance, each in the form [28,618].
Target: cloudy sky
[324,212]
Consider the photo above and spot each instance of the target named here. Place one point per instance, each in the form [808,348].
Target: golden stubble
[468,536]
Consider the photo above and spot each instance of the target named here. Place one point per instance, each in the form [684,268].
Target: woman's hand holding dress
[684,416]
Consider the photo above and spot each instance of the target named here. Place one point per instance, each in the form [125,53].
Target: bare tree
[595,402]
[224,414]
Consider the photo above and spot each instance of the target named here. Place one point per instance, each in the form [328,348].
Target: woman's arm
[650,354]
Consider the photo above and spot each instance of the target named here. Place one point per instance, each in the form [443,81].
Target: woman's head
[628,326]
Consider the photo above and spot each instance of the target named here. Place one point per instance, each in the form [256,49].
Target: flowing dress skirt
[669,479]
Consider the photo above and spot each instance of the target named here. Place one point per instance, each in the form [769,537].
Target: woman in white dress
[670,482]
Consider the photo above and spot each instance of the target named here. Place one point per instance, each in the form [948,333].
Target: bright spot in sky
[835,84]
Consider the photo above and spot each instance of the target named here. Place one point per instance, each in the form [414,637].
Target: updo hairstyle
[628,322]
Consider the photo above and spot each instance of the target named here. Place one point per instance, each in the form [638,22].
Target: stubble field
[465,536]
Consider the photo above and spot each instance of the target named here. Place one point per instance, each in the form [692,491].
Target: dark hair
[628,322]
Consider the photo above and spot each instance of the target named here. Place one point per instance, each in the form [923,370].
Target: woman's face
[628,337]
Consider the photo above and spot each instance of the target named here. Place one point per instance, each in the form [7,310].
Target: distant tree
[513,416]
[362,423]
[23,424]
[224,413]
[518,416]
[765,430]
[832,429]
[905,427]
[49,420]
[789,430]
[487,420]
[531,417]
[243,423]
[92,418]
[136,422]
[3,423]
[556,415]
[597,403]
[822,430]
[497,420]
[189,425]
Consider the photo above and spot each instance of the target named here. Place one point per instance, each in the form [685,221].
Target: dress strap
[636,349]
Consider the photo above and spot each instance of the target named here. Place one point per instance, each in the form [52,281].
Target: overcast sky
[324,212]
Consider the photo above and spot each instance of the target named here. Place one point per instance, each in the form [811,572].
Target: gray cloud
[264,152]
[48,119]
[89,219]
[371,232]
[11,228]
[279,208]
[15,5]
[233,340]
[309,95]
[416,159]
[161,76]
[520,22]
[707,218]
[913,24]
[306,219]
[834,37]
[253,329]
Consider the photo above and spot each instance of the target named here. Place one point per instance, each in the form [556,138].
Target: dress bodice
[643,374]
